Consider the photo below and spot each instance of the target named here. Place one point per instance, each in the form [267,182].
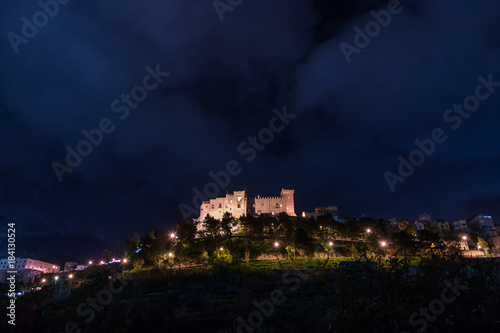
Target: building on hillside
[318,211]
[27,269]
[239,204]
[443,226]
[70,266]
[480,221]
[460,225]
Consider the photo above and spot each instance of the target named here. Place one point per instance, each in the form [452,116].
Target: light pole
[331,246]
[70,282]
[276,245]
[56,278]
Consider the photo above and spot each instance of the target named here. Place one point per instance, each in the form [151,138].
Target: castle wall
[238,204]
[235,203]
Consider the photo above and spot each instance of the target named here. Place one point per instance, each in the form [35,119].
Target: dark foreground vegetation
[451,294]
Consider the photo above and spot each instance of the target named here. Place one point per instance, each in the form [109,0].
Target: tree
[132,244]
[404,242]
[107,255]
[226,224]
[484,245]
[186,231]
[211,227]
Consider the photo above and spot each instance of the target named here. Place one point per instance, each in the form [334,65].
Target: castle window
[220,205]
[231,201]
[277,205]
[239,205]
[239,199]
[281,205]
[258,212]
[272,213]
[213,206]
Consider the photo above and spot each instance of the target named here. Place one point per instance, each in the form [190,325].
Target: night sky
[353,115]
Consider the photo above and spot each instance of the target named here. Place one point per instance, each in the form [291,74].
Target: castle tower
[287,200]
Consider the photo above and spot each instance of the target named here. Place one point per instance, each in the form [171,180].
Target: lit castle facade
[239,204]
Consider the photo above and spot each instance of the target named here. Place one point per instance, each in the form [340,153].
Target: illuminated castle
[238,204]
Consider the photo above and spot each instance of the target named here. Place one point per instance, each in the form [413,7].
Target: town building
[460,225]
[27,269]
[480,221]
[318,211]
[443,226]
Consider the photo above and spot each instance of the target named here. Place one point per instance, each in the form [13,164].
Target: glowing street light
[384,244]
[125,260]
[464,237]
[331,243]
[170,254]
[479,247]
[222,249]
[43,280]
[276,245]
[90,262]
[70,282]
[172,235]
[57,278]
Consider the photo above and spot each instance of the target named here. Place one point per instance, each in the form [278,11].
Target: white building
[460,225]
[27,269]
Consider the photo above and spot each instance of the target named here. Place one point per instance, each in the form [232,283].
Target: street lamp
[368,230]
[172,235]
[90,262]
[384,244]
[276,245]
[464,237]
[125,260]
[221,249]
[70,282]
[170,254]
[43,280]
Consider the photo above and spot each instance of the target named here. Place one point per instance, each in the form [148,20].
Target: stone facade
[239,204]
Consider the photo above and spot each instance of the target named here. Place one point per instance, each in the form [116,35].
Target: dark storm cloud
[225,78]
